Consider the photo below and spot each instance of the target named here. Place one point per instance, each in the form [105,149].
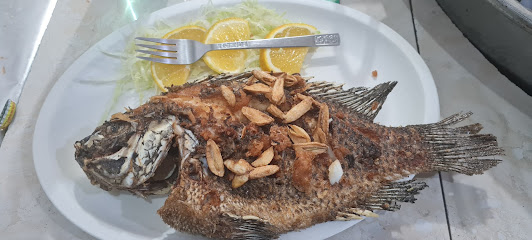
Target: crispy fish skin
[372,157]
[366,151]
[336,125]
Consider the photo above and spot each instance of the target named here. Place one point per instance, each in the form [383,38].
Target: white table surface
[495,205]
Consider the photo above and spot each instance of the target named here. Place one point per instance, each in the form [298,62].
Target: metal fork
[184,51]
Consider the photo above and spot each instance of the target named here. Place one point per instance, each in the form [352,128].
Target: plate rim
[431,97]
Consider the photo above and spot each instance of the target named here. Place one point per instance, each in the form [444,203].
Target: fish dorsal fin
[388,196]
[241,77]
[250,227]
[365,101]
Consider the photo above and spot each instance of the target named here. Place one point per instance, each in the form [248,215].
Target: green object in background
[334,1]
[7,114]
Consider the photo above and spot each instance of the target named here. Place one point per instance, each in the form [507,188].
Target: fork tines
[167,52]
[159,40]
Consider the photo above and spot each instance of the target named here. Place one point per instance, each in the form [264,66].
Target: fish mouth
[119,156]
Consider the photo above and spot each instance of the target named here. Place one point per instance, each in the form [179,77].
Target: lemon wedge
[288,60]
[227,30]
[166,75]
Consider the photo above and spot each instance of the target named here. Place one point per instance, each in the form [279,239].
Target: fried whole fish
[259,154]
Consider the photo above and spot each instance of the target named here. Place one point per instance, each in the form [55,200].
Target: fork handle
[320,40]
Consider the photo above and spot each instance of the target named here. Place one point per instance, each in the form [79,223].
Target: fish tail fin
[459,149]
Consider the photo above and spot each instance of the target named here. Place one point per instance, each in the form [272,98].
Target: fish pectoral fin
[250,227]
[388,196]
[365,101]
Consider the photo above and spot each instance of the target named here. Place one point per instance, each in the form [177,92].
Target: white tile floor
[491,206]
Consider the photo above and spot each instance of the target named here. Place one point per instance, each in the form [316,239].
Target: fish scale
[297,188]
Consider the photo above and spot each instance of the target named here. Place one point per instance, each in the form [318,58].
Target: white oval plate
[73,109]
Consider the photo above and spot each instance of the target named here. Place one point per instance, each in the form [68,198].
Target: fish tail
[459,149]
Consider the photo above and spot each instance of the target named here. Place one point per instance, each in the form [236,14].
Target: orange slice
[288,60]
[227,30]
[166,75]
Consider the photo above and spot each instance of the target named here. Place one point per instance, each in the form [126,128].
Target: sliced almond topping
[258,88]
[323,118]
[319,136]
[228,95]
[264,76]
[243,133]
[290,80]
[278,74]
[269,96]
[275,111]
[316,103]
[263,171]
[251,80]
[214,158]
[239,167]
[239,180]
[278,91]
[264,159]
[298,134]
[298,110]
[302,96]
[314,147]
[294,79]
[256,116]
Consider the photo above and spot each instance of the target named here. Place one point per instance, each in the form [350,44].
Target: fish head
[136,156]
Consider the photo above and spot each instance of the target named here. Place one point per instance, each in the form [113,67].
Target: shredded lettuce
[137,82]
[261,19]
